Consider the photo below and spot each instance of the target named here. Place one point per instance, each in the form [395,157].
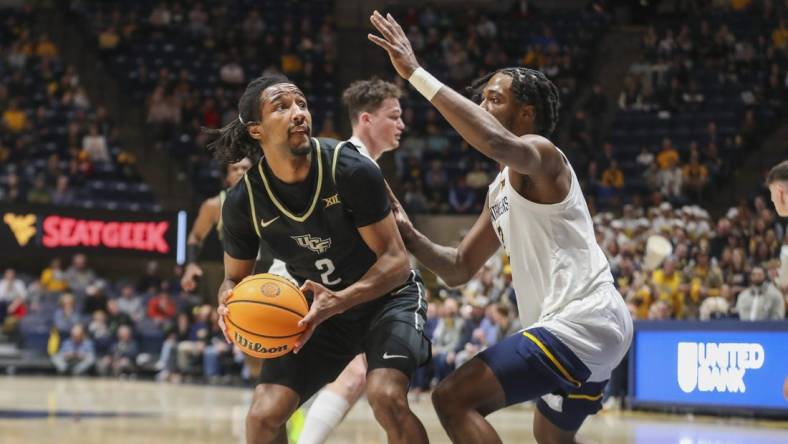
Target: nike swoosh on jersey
[265,224]
[388,356]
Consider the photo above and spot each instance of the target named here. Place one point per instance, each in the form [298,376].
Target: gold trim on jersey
[251,204]
[552,358]
[334,161]
[315,198]
[220,223]
[586,397]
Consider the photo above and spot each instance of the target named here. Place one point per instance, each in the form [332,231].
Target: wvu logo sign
[331,201]
[23,226]
[315,244]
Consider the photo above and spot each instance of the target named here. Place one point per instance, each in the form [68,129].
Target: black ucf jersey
[344,191]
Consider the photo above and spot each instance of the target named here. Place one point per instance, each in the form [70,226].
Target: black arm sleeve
[238,235]
[361,187]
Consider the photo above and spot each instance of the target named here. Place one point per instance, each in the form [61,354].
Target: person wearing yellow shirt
[669,285]
[613,177]
[14,119]
[45,47]
[668,155]
[53,278]
[696,176]
[780,35]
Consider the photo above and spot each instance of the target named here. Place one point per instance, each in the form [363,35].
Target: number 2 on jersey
[327,267]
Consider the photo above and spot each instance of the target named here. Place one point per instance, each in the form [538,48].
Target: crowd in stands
[56,147]
[89,324]
[440,172]
[701,100]
[190,61]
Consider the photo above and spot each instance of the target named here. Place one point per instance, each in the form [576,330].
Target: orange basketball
[264,311]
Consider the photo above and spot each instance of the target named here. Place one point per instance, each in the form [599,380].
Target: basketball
[264,311]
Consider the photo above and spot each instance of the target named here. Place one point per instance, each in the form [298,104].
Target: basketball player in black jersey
[322,209]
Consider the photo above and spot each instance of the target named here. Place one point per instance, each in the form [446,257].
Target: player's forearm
[483,131]
[390,271]
[193,252]
[443,261]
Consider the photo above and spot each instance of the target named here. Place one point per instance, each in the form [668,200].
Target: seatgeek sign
[40,229]
[728,369]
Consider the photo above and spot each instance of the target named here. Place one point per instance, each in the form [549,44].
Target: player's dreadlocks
[530,87]
[234,142]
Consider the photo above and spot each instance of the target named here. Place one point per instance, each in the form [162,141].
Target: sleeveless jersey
[554,255]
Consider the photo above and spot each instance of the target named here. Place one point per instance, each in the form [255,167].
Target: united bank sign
[28,229]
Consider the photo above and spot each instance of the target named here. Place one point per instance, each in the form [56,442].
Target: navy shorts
[533,363]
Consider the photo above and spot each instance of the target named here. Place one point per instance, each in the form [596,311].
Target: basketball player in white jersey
[376,118]
[577,327]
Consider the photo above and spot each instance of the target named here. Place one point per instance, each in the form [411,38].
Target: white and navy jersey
[553,250]
[560,275]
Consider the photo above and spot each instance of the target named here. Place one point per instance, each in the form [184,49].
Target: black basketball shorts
[389,332]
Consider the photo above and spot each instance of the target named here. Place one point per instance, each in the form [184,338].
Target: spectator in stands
[95,299]
[414,200]
[162,309]
[216,347]
[66,317]
[446,339]
[12,192]
[53,278]
[40,193]
[94,145]
[14,119]
[190,350]
[695,178]
[612,181]
[100,332]
[78,275]
[670,181]
[130,304]
[76,355]
[63,195]
[11,289]
[436,177]
[461,197]
[168,364]
[761,301]
[477,178]
[150,282]
[13,297]
[122,357]
[670,288]
[668,156]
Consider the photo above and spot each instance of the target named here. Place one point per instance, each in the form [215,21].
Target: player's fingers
[304,338]
[223,327]
[383,26]
[394,25]
[222,310]
[226,296]
[380,42]
[308,286]
[310,316]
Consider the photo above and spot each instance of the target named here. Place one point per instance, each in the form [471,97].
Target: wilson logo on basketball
[270,290]
[256,346]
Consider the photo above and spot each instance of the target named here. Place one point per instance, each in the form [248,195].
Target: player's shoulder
[346,159]
[236,196]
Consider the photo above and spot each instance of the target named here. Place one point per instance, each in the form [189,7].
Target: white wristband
[425,83]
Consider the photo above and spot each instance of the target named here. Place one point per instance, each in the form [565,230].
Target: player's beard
[304,148]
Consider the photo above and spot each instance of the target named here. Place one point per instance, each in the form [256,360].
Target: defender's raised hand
[395,42]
